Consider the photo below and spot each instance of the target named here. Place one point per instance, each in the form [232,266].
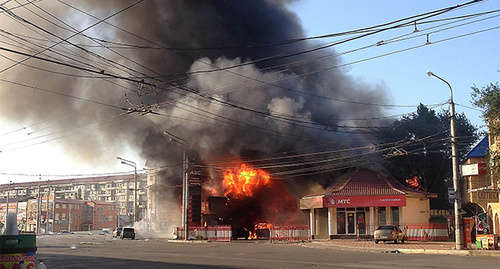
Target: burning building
[236,80]
[249,200]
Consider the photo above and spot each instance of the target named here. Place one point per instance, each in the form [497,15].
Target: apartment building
[99,196]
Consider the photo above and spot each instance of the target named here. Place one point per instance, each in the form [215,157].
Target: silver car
[389,233]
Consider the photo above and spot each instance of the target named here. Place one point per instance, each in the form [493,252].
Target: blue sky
[463,62]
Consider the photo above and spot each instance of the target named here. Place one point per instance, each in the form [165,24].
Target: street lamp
[454,159]
[133,164]
[185,182]
[8,192]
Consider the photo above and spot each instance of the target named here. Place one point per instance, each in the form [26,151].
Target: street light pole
[454,159]
[185,182]
[133,164]
[8,198]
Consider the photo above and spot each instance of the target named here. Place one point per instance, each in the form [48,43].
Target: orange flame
[244,181]
[413,182]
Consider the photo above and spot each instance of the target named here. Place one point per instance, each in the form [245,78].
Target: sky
[463,62]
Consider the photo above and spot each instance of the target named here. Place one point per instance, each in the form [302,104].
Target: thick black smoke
[186,39]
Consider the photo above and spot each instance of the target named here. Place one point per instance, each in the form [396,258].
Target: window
[395,215]
[382,215]
[58,205]
[360,220]
[340,222]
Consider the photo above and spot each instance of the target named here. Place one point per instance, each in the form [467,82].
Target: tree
[425,137]
[488,99]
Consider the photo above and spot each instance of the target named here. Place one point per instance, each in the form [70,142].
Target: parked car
[65,232]
[389,233]
[128,233]
[117,232]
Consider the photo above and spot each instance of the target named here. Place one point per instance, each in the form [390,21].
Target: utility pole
[48,206]
[185,182]
[459,242]
[8,198]
[133,164]
[54,210]
[69,217]
[38,209]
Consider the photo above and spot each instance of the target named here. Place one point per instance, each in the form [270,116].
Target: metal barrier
[427,232]
[414,231]
[221,233]
[290,233]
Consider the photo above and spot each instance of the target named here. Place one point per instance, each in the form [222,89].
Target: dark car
[128,233]
[389,233]
[117,232]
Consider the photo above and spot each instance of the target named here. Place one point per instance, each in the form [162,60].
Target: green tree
[425,137]
[488,99]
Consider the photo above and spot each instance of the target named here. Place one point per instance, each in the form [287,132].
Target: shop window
[351,225]
[382,215]
[360,217]
[340,222]
[395,215]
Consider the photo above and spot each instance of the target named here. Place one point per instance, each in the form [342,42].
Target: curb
[477,253]
[482,253]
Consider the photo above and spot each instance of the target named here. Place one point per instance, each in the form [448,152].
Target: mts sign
[362,201]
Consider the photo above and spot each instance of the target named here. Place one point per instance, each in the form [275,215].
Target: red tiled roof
[365,182]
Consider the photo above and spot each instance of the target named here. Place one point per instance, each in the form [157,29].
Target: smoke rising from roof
[237,112]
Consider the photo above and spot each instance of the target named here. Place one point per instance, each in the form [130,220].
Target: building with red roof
[361,200]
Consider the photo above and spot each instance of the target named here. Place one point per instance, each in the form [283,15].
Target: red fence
[290,233]
[221,233]
[427,232]
[414,232]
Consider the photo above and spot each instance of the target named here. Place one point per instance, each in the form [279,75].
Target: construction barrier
[427,232]
[221,233]
[414,232]
[290,233]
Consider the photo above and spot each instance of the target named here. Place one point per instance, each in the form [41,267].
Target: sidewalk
[411,247]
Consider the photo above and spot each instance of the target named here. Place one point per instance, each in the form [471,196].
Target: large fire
[244,181]
[252,201]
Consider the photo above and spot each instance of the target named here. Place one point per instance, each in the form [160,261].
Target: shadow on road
[85,262]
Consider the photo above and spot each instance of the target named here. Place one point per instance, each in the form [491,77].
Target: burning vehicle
[262,230]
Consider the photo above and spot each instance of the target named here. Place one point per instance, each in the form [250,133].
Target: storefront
[357,204]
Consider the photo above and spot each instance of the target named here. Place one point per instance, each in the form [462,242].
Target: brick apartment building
[81,203]
[69,214]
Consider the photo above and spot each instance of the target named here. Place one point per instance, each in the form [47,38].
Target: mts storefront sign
[364,201]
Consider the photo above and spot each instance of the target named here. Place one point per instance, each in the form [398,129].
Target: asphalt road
[98,251]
